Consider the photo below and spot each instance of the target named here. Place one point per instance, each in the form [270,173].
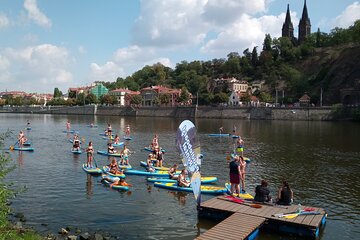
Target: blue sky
[64,43]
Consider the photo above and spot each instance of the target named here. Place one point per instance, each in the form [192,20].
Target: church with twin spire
[304,26]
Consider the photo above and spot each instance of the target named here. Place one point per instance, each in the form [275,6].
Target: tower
[304,25]
[288,28]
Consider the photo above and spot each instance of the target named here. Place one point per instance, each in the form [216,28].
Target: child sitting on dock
[285,194]
[262,193]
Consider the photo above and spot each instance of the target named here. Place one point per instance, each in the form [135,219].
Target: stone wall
[252,113]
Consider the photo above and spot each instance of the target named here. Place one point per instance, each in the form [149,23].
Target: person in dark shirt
[235,175]
[262,193]
[285,194]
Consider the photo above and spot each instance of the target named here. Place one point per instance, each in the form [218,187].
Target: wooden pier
[248,220]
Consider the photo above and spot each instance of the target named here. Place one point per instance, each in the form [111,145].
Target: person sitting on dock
[240,146]
[182,182]
[89,154]
[125,155]
[172,172]
[111,148]
[285,194]
[114,168]
[235,175]
[149,165]
[262,193]
[242,164]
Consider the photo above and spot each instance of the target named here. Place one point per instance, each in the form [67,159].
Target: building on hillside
[304,100]
[74,92]
[235,98]
[121,95]
[230,84]
[150,94]
[13,94]
[40,97]
[256,86]
[98,90]
[304,26]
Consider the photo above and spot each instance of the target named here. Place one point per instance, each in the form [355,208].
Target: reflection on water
[321,161]
[89,186]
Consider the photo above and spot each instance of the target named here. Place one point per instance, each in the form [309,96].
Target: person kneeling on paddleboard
[182,182]
[172,172]
[149,166]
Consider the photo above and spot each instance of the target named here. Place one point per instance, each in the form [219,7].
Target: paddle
[241,201]
[95,161]
[12,146]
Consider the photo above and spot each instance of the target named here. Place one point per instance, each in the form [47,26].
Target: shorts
[234,178]
[126,157]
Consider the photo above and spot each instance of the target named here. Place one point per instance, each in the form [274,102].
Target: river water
[320,160]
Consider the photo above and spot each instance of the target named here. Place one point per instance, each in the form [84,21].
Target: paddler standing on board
[108,130]
[89,154]
[240,146]
[68,125]
[125,155]
[127,131]
[221,129]
[155,142]
[242,173]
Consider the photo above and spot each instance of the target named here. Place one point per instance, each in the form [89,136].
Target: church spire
[288,28]
[304,24]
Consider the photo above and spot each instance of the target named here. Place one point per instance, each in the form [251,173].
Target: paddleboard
[145,173]
[76,151]
[205,189]
[27,143]
[30,149]
[28,128]
[70,131]
[92,126]
[108,138]
[91,170]
[151,150]
[118,144]
[144,164]
[106,170]
[245,195]
[219,135]
[128,138]
[166,180]
[108,154]
[107,180]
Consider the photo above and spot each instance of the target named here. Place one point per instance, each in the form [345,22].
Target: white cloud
[170,23]
[348,16]
[224,12]
[107,72]
[34,13]
[4,21]
[38,68]
[246,32]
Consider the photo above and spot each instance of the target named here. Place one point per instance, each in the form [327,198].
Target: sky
[65,43]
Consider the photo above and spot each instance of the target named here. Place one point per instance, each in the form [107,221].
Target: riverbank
[250,113]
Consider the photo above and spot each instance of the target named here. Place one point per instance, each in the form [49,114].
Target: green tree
[267,45]
[80,100]
[136,99]
[164,98]
[57,93]
[265,97]
[254,57]
[184,95]
[91,98]
[107,99]
[220,98]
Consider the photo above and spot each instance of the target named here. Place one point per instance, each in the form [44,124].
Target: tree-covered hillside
[283,65]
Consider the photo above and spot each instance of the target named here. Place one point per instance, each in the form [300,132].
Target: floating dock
[243,221]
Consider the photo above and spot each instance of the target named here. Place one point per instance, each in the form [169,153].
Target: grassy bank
[7,229]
